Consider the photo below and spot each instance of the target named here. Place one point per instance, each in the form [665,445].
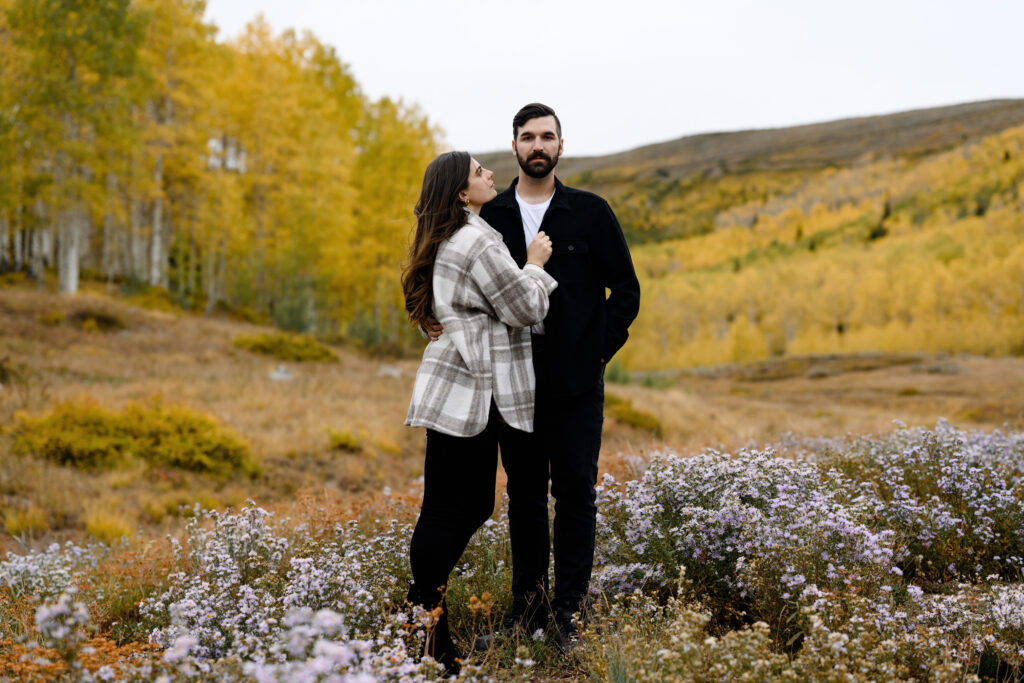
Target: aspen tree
[74,51]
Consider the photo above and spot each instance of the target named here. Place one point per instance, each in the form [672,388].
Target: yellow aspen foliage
[250,175]
[893,255]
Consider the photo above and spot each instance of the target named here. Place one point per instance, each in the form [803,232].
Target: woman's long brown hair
[439,213]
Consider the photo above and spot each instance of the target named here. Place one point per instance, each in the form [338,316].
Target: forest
[189,493]
[888,254]
[251,176]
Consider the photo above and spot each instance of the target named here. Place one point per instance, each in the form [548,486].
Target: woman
[475,377]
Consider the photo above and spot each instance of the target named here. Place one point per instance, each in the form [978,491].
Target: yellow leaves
[793,269]
[951,288]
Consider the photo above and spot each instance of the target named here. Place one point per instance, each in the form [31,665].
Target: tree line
[895,254]
[254,174]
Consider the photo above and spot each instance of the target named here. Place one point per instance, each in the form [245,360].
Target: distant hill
[841,142]
[900,233]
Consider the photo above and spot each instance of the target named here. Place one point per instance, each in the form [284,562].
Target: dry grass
[28,663]
[736,406]
[191,360]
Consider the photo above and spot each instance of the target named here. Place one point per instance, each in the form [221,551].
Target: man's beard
[533,168]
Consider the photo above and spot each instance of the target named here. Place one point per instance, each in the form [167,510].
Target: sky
[632,72]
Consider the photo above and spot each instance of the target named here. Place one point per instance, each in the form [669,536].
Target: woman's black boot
[439,643]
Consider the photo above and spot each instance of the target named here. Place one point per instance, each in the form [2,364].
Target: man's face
[537,146]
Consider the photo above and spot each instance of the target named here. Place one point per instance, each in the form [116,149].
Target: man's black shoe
[566,637]
[528,614]
[512,626]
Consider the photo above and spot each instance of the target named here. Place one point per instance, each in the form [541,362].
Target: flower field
[893,557]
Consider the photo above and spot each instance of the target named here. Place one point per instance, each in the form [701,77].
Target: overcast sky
[626,73]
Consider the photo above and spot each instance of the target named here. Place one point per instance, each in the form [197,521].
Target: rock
[820,371]
[387,370]
[939,368]
[281,374]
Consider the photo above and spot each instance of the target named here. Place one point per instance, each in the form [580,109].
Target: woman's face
[479,187]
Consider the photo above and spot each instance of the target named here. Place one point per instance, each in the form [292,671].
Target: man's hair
[534,110]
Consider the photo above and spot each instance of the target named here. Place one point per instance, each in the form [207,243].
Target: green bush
[343,441]
[52,319]
[91,320]
[623,412]
[152,298]
[84,435]
[292,347]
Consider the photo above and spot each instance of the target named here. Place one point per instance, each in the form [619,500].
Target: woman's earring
[465,201]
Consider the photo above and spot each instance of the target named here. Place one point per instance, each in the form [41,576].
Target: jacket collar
[559,200]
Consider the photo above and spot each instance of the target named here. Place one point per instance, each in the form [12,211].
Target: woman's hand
[539,250]
[433,329]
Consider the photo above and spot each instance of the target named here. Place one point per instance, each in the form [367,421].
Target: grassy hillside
[126,431]
[833,143]
[88,410]
[899,254]
[898,233]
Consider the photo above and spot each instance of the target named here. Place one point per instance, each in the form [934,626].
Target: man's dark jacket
[590,254]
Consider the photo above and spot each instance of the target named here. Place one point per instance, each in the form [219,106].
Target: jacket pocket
[572,258]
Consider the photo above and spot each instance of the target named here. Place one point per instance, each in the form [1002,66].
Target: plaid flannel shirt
[486,304]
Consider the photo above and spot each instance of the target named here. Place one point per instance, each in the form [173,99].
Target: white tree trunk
[19,247]
[209,273]
[67,225]
[157,250]
[38,244]
[5,243]
[136,256]
[69,231]
[109,254]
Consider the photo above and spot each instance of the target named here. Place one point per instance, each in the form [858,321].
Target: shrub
[623,412]
[241,313]
[953,499]
[291,347]
[754,533]
[249,584]
[849,638]
[52,319]
[804,550]
[343,441]
[13,278]
[11,372]
[152,298]
[85,435]
[90,320]
[29,520]
[634,638]
[106,526]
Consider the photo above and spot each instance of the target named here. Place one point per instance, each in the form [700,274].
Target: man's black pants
[565,445]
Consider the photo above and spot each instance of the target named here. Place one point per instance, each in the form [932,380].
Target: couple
[511,290]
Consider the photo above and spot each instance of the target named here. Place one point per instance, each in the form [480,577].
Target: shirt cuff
[534,266]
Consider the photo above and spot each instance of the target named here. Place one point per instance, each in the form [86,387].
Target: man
[581,333]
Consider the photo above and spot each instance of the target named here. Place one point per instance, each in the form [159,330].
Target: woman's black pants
[458,497]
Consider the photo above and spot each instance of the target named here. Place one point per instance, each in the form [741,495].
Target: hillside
[832,143]
[897,233]
[755,563]
[335,428]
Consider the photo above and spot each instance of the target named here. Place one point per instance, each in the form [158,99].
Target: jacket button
[571,247]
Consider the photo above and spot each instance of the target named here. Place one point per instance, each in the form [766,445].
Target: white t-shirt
[532,215]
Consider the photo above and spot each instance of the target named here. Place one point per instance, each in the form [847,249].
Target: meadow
[731,544]
[813,441]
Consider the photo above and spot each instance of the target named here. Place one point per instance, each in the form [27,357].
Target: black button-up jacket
[590,255]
